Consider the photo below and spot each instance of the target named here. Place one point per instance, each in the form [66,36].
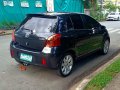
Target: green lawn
[102,79]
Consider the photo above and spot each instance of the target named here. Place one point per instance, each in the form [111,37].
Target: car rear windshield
[39,24]
[112,13]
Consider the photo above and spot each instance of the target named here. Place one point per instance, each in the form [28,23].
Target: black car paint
[76,42]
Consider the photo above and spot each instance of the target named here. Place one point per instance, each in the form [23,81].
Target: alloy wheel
[66,65]
[106,46]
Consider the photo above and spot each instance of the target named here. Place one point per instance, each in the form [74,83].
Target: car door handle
[93,30]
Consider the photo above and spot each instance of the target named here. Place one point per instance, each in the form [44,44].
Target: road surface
[38,78]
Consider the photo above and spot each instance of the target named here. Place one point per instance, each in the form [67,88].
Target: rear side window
[39,24]
[77,21]
[65,23]
[69,23]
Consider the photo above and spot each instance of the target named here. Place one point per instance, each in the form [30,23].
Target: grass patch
[102,79]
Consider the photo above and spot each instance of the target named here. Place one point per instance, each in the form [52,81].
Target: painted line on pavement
[112,31]
[109,29]
[118,32]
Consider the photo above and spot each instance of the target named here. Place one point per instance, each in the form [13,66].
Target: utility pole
[101,5]
[101,8]
[116,2]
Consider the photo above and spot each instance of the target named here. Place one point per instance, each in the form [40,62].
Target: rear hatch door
[35,30]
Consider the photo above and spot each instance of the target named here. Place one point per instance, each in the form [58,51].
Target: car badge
[27,35]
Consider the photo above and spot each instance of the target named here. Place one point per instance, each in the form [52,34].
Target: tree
[110,6]
[95,9]
[87,4]
[90,3]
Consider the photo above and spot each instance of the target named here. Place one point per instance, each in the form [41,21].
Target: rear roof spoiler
[41,15]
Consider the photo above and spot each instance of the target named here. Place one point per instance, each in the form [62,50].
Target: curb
[88,78]
[81,81]
[5,34]
[2,33]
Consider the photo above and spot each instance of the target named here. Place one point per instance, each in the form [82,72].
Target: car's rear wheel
[105,47]
[66,65]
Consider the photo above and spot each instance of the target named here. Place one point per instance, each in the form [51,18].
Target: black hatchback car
[56,40]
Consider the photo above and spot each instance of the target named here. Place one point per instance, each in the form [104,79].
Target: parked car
[113,16]
[56,40]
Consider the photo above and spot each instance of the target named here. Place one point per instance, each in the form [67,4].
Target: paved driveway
[38,78]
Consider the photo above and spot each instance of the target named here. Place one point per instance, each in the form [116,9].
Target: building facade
[14,11]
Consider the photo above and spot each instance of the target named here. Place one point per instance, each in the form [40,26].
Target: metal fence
[12,12]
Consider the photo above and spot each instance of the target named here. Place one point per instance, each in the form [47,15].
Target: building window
[24,3]
[38,3]
[8,3]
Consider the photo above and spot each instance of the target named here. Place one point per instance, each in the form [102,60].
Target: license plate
[26,57]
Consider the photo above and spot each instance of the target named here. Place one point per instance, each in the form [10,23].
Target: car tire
[105,46]
[66,65]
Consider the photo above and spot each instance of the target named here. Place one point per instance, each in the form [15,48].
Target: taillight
[13,35]
[54,40]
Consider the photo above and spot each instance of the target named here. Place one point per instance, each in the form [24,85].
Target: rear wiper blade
[29,30]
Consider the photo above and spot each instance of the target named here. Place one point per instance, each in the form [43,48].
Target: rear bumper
[51,60]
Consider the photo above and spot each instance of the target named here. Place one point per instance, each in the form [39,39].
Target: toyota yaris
[56,40]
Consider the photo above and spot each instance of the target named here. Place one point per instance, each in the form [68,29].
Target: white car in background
[113,16]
